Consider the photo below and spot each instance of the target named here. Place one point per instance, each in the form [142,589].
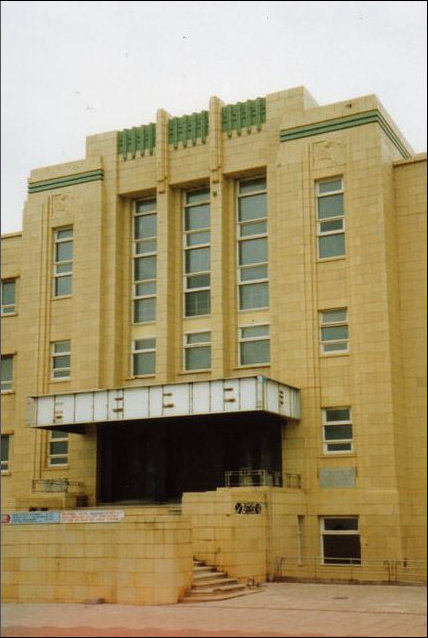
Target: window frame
[194,346]
[136,243]
[339,533]
[190,292]
[322,234]
[338,441]
[141,351]
[55,355]
[9,309]
[333,324]
[241,238]
[61,455]
[59,263]
[242,340]
[7,383]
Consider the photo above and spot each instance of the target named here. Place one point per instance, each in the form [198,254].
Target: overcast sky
[72,69]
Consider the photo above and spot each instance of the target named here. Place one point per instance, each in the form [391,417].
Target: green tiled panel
[137,139]
[188,128]
[244,115]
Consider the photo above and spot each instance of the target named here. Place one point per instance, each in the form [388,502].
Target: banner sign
[69,516]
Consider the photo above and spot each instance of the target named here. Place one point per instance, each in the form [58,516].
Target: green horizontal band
[68,180]
[369,117]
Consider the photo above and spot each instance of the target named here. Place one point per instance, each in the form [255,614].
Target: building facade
[214,346]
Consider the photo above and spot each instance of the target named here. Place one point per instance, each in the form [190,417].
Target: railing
[257,478]
[382,570]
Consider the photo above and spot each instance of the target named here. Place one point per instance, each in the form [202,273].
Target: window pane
[198,337]
[339,447]
[333,333]
[64,251]
[253,296]
[329,227]
[145,268]
[252,207]
[146,246]
[330,206]
[198,358]
[63,286]
[64,234]
[341,524]
[59,447]
[197,260]
[197,217]
[197,303]
[331,316]
[144,363]
[61,373]
[334,432]
[255,352]
[62,346]
[194,197]
[331,185]
[58,460]
[6,369]
[8,293]
[57,434]
[148,288]
[252,185]
[144,310]
[4,449]
[62,361]
[341,414]
[253,272]
[198,281]
[146,205]
[342,550]
[145,344]
[335,346]
[252,251]
[66,267]
[195,239]
[332,246]
[145,226]
[254,331]
[253,228]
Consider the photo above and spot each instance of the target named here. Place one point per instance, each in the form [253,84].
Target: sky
[73,69]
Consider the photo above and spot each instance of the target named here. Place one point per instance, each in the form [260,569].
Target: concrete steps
[209,584]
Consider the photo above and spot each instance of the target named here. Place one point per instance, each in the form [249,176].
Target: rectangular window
[334,335]
[63,261]
[145,260]
[57,448]
[6,372]
[197,253]
[337,430]
[253,287]
[330,218]
[5,441]
[61,360]
[143,357]
[8,293]
[254,345]
[340,540]
[197,351]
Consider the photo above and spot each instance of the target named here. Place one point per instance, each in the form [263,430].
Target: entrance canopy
[239,395]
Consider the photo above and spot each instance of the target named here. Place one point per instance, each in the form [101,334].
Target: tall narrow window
[253,287]
[254,345]
[5,441]
[6,372]
[340,540]
[334,331]
[337,430]
[197,278]
[145,261]
[61,360]
[144,357]
[63,262]
[57,448]
[197,351]
[8,293]
[330,218]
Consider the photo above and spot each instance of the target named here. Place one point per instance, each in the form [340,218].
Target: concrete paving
[279,609]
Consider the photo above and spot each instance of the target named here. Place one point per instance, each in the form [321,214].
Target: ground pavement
[279,609]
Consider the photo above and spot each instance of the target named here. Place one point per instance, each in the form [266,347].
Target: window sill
[141,376]
[8,314]
[336,455]
[54,468]
[143,323]
[252,365]
[262,308]
[327,355]
[202,370]
[322,260]
[196,316]
[8,392]
[61,297]
[6,473]
[63,380]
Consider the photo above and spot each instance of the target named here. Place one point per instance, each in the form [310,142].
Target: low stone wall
[140,559]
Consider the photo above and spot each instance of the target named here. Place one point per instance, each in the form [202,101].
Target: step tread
[213,597]
[207,575]
[215,584]
[218,588]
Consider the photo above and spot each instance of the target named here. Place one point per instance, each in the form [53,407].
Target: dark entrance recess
[156,461]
